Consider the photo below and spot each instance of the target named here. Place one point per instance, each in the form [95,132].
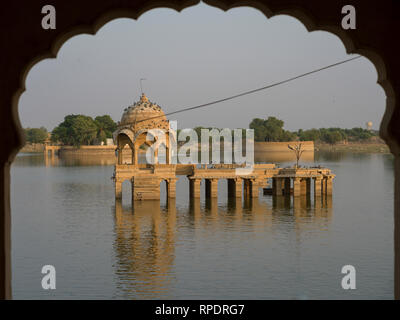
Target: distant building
[369,125]
[109,142]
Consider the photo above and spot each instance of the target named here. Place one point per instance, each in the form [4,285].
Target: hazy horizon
[199,55]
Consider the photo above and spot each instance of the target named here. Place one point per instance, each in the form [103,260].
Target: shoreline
[353,147]
[359,147]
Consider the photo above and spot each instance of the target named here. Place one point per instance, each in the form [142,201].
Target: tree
[105,127]
[270,129]
[257,125]
[357,134]
[297,151]
[309,135]
[75,130]
[333,137]
[31,134]
[36,135]
[274,129]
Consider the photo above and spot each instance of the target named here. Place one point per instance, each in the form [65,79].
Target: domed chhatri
[136,125]
[143,114]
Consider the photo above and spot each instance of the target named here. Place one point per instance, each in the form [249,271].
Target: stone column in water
[329,181]
[231,188]
[303,186]
[171,188]
[317,186]
[254,187]
[235,188]
[296,187]
[118,189]
[287,186]
[194,188]
[246,188]
[308,185]
[238,187]
[277,186]
[323,186]
[211,188]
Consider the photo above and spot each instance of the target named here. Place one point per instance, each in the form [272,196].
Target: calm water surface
[64,214]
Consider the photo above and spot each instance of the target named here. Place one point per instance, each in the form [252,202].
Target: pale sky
[199,55]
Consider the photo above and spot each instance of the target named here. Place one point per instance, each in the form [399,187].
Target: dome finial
[141,86]
[143,98]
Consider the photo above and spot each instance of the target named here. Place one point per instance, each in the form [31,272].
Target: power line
[253,91]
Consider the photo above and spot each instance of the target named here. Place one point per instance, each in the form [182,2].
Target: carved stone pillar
[254,188]
[119,153]
[296,187]
[317,186]
[286,190]
[118,189]
[194,188]
[277,186]
[329,182]
[171,188]
[211,188]
[303,186]
[235,188]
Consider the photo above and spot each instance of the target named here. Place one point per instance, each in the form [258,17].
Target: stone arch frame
[128,132]
[123,138]
[377,43]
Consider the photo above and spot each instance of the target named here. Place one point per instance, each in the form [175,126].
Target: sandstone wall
[307,146]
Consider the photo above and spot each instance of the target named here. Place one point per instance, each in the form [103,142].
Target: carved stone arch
[145,131]
[138,134]
[118,135]
[374,38]
[128,132]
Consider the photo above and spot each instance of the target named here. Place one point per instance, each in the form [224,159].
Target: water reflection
[108,160]
[331,156]
[274,157]
[269,247]
[38,159]
[29,160]
[73,161]
[146,234]
[144,248]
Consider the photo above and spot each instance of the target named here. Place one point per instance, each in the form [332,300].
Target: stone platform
[146,180]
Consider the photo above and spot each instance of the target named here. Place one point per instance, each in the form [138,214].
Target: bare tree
[297,151]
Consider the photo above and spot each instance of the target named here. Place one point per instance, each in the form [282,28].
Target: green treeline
[36,135]
[334,135]
[75,130]
[271,129]
[79,129]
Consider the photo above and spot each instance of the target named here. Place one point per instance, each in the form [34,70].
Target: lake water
[64,214]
